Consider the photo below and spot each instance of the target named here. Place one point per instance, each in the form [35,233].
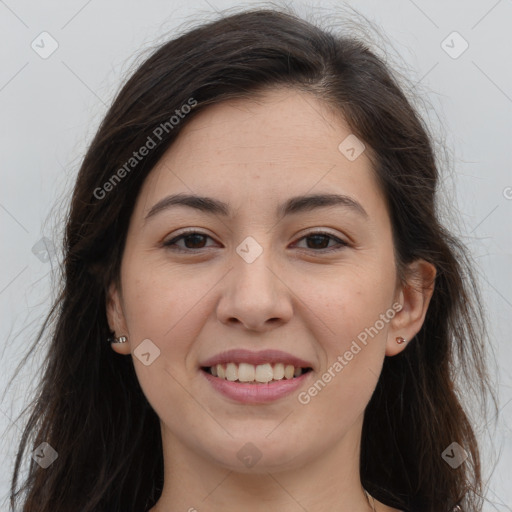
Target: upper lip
[264,356]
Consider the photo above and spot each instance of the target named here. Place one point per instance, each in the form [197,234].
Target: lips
[255,377]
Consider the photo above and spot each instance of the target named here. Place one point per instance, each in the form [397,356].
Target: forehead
[251,152]
[276,126]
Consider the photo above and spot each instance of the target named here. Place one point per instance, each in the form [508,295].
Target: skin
[295,297]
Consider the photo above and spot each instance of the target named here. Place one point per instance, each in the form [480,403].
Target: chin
[258,455]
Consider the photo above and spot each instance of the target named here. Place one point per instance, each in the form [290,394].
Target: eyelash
[171,244]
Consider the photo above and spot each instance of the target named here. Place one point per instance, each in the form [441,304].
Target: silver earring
[121,339]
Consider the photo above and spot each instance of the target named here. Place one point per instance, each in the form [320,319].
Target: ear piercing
[121,339]
[124,339]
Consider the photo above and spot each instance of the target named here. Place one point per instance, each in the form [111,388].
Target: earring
[400,340]
[121,339]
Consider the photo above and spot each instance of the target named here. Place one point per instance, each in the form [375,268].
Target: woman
[255,227]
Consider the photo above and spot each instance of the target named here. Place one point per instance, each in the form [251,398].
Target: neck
[314,482]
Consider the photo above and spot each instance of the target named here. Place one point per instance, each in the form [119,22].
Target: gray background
[50,108]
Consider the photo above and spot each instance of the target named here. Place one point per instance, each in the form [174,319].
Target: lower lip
[256,393]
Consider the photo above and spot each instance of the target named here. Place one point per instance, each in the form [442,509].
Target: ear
[414,297]
[116,319]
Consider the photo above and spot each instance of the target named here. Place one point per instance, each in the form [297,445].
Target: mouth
[249,377]
[255,374]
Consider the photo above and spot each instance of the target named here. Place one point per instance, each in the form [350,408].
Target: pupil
[196,241]
[319,238]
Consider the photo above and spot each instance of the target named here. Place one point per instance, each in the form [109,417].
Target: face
[259,270]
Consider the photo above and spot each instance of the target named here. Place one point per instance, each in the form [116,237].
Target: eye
[317,241]
[191,239]
[320,241]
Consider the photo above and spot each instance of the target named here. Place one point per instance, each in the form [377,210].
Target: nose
[255,296]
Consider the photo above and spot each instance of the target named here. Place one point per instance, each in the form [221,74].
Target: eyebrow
[293,205]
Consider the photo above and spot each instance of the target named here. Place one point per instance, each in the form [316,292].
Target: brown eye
[195,241]
[191,240]
[320,241]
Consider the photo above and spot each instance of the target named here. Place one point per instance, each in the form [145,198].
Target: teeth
[288,371]
[264,373]
[245,372]
[278,371]
[231,372]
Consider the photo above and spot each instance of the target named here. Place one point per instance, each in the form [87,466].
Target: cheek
[348,307]
[159,299]
[352,337]
[165,307]
[348,300]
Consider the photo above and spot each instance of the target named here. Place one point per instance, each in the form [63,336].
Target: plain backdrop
[455,54]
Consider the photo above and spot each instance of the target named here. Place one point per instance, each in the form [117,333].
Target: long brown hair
[108,441]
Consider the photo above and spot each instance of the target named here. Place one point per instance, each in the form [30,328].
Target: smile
[255,377]
[261,373]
